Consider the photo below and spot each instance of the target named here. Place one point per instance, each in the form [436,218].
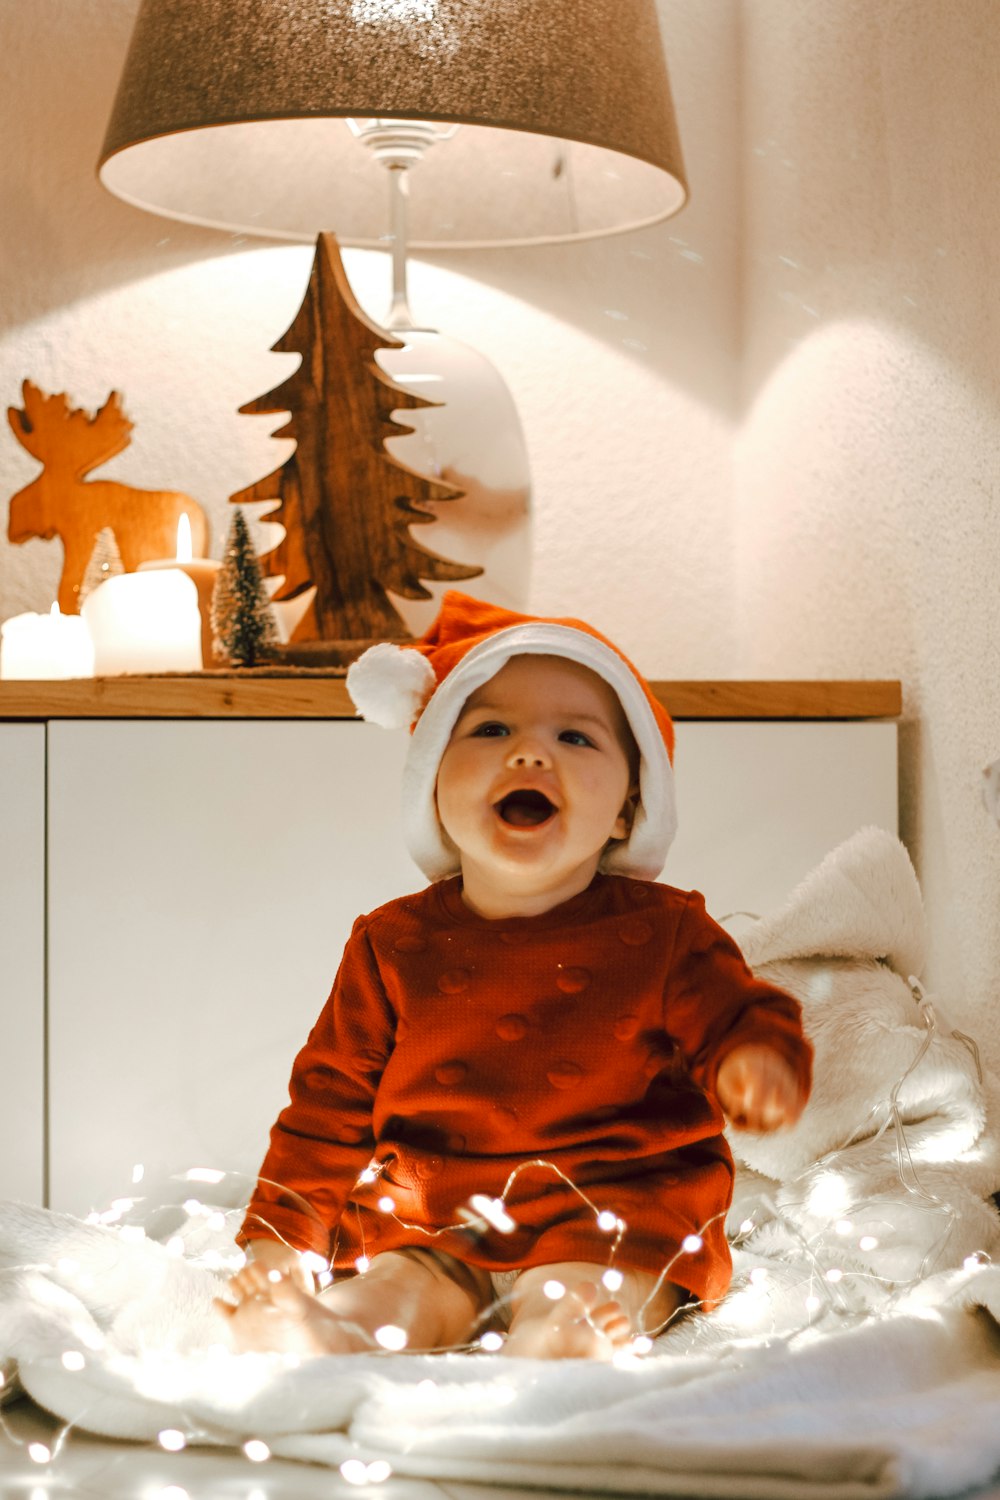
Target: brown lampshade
[231,113]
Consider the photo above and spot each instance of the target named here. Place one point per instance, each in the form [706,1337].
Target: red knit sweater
[576,1051]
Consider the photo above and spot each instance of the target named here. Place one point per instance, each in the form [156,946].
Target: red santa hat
[426,683]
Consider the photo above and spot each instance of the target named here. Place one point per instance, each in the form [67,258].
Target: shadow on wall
[869,153]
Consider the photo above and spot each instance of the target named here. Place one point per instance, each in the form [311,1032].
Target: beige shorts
[503,1284]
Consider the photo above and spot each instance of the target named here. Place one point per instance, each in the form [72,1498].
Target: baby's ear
[623,826]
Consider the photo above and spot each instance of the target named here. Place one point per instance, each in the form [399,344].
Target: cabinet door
[22,943]
[203,880]
[204,877]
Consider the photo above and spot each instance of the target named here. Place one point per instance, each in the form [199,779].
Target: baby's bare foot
[578,1326]
[279,1317]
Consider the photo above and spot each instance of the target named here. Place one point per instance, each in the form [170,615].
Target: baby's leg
[433,1300]
[585,1321]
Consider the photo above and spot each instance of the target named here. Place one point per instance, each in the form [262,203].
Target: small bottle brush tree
[242,623]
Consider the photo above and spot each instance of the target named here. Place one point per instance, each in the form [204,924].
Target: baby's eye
[575,737]
[491,730]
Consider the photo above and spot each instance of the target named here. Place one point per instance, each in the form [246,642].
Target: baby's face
[534,782]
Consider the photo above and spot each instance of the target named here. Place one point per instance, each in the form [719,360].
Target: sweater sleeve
[715,1004]
[323,1138]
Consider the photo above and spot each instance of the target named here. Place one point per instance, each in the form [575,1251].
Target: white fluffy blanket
[857,1355]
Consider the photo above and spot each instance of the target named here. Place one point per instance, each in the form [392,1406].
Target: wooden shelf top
[319,696]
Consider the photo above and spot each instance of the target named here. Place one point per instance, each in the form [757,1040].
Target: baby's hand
[757,1088]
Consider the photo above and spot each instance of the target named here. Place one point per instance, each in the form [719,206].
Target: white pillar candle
[35,647]
[144,622]
[202,571]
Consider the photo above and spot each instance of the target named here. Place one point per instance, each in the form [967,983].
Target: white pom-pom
[389,685]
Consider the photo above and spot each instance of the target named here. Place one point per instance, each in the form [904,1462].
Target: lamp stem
[400,316]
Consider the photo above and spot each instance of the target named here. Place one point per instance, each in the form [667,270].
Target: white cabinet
[203,876]
[174,897]
[22,960]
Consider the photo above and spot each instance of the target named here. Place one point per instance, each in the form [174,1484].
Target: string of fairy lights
[814,1271]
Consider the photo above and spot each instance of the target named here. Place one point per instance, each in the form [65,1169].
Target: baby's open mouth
[525,808]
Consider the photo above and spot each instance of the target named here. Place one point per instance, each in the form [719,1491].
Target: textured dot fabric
[565,1062]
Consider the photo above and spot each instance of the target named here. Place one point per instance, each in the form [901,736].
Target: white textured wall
[866,515]
[764,436]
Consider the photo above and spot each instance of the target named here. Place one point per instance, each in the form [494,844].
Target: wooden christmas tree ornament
[62,502]
[346,504]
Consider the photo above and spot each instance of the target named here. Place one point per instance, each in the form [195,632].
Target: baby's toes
[249,1281]
[611,1320]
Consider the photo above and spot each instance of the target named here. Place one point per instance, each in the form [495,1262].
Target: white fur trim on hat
[643,853]
[389,685]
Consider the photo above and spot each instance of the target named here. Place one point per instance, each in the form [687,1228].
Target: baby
[510,1110]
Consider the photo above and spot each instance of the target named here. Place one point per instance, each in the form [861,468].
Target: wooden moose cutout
[61,502]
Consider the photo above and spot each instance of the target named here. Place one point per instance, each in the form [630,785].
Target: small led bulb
[391,1337]
[494,1211]
[691,1244]
[607,1221]
[256,1451]
[491,1342]
[612,1279]
[554,1290]
[386,1205]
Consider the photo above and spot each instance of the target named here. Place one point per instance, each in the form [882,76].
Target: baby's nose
[527,754]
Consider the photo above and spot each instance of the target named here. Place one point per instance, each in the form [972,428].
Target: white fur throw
[858,1354]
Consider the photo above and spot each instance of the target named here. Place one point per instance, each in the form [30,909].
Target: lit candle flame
[184,549]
